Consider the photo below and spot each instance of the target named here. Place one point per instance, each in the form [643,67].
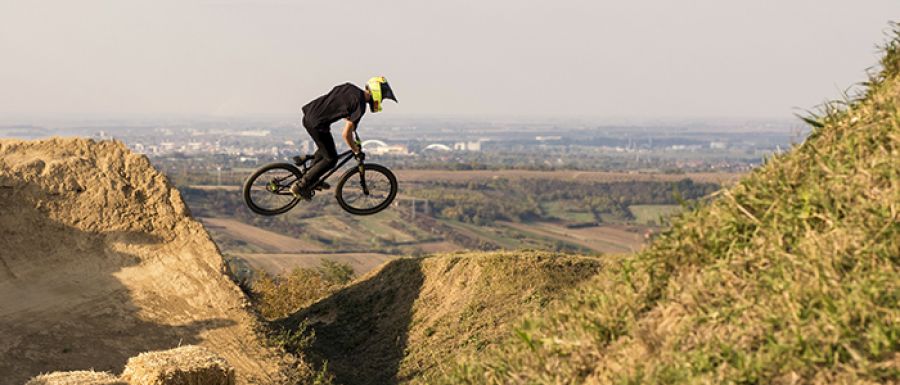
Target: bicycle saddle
[302,159]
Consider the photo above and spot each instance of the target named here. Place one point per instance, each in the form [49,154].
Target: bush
[336,272]
[277,297]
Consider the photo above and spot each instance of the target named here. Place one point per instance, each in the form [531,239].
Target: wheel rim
[378,186]
[271,190]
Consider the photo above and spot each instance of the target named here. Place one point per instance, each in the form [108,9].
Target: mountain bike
[365,189]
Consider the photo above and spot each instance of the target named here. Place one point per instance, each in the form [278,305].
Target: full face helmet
[379,89]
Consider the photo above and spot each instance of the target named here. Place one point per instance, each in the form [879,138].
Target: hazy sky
[635,58]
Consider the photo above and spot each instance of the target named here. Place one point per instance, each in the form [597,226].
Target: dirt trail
[100,260]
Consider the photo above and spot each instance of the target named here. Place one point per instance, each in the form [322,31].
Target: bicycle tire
[369,168]
[248,187]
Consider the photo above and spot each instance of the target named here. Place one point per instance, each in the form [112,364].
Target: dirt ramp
[413,317]
[100,260]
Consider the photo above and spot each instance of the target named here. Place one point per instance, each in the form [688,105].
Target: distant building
[393,149]
[437,147]
[718,145]
[254,133]
[468,146]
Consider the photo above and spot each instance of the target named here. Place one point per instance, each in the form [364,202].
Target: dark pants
[326,154]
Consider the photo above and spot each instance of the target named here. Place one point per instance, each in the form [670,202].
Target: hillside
[413,316]
[100,260]
[791,276]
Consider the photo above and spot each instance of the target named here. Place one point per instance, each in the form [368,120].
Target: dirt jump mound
[100,261]
[412,318]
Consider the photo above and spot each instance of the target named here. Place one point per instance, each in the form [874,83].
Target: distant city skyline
[635,60]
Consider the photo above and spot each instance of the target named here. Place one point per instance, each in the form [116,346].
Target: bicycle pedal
[298,160]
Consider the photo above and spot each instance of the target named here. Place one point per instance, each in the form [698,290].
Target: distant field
[565,212]
[488,233]
[438,247]
[588,176]
[650,214]
[605,238]
[297,239]
[276,253]
[267,240]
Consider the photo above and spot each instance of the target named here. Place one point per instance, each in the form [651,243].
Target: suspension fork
[362,167]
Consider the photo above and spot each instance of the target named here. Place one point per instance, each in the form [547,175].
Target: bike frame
[343,158]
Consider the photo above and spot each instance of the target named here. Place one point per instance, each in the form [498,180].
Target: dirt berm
[413,318]
[100,261]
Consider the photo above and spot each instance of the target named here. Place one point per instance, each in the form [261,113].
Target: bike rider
[347,102]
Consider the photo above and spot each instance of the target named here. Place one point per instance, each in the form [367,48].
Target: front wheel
[368,192]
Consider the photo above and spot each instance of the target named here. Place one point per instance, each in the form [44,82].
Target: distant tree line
[482,202]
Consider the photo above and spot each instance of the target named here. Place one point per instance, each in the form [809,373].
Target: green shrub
[277,297]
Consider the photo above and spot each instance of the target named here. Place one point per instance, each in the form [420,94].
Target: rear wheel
[368,192]
[268,190]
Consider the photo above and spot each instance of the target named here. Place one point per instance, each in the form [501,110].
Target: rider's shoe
[301,192]
[323,186]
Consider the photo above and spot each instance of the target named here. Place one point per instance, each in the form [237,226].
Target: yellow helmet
[379,89]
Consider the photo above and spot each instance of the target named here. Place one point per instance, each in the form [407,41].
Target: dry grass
[83,377]
[279,296]
[186,365]
[791,276]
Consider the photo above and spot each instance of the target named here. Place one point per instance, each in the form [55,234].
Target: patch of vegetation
[296,339]
[653,214]
[279,296]
[791,276]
